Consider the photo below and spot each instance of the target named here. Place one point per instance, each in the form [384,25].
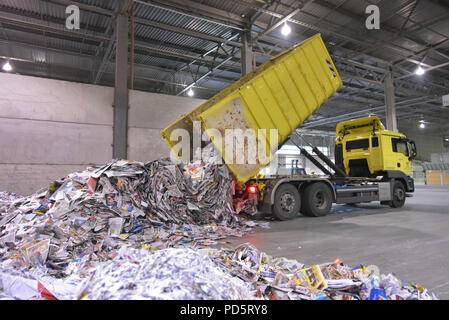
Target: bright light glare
[286,30]
[190,93]
[420,71]
[422,125]
[7,67]
[252,189]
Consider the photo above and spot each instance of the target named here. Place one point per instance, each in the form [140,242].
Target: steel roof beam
[151,23]
[425,51]
[421,25]
[380,108]
[83,6]
[200,11]
[53,30]
[228,81]
[139,67]
[427,69]
[96,38]
[284,19]
[362,21]
[401,51]
[187,32]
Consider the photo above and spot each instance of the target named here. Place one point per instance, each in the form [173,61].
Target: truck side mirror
[413,152]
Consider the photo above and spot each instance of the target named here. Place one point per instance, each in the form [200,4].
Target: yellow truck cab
[364,148]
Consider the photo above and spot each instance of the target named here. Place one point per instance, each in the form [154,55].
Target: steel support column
[246,53]
[390,106]
[120,135]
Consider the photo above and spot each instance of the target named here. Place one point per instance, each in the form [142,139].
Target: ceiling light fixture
[286,29]
[7,67]
[420,71]
[422,125]
[190,93]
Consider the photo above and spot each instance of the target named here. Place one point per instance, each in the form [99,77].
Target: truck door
[402,152]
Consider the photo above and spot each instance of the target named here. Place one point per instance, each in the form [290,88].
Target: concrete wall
[50,128]
[149,113]
[440,157]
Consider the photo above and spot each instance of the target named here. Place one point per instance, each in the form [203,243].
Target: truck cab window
[399,146]
[357,144]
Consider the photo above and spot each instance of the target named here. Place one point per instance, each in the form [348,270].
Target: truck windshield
[400,146]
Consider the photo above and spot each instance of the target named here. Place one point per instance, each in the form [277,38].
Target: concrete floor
[412,242]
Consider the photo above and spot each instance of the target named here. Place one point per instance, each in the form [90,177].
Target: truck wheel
[317,200]
[398,195]
[287,202]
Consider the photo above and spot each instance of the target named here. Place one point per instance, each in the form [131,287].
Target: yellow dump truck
[250,119]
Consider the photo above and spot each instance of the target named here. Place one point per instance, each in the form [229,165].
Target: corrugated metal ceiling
[340,21]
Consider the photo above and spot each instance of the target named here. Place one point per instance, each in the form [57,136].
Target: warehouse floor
[411,242]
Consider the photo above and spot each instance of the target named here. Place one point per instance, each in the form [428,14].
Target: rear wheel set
[287,202]
[316,201]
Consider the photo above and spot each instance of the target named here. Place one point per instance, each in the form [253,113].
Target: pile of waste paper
[205,274]
[176,273]
[284,279]
[128,230]
[93,213]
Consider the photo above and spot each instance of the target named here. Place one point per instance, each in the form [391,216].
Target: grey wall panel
[146,145]
[150,113]
[50,128]
[157,111]
[43,142]
[45,99]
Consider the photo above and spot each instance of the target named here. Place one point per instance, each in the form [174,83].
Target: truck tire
[398,195]
[317,200]
[287,202]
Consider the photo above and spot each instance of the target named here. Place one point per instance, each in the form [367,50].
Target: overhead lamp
[447,139]
[7,67]
[190,93]
[420,71]
[422,125]
[286,30]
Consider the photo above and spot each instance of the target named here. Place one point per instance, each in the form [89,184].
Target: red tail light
[252,189]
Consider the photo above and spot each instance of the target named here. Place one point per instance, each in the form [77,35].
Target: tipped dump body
[280,94]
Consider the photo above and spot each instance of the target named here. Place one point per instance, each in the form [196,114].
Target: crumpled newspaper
[171,274]
[123,231]
[285,279]
[93,213]
[219,274]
